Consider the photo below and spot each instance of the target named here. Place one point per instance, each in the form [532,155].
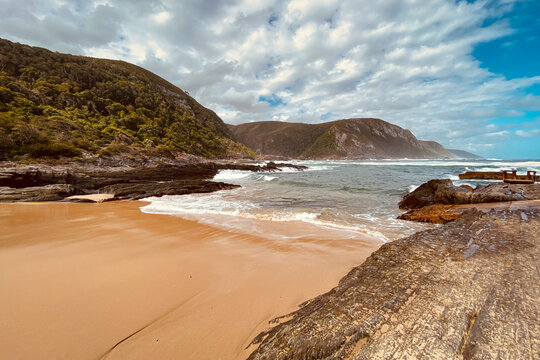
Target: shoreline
[82,279]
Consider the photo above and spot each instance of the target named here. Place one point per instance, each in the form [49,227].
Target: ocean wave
[214,205]
[232,174]
[318,168]
[269,178]
[532,164]
[514,166]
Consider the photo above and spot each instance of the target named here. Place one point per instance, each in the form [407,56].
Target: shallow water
[332,200]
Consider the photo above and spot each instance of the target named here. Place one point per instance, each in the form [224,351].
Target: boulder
[438,191]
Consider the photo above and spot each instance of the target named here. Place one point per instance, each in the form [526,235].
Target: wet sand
[91,281]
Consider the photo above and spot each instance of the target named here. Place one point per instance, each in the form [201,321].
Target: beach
[90,281]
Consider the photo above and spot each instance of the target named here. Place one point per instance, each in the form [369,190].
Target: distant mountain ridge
[342,139]
[61,105]
[462,154]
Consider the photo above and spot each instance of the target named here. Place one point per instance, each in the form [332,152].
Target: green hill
[342,139]
[60,105]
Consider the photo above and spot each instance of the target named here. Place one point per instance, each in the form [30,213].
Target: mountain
[342,139]
[464,154]
[54,105]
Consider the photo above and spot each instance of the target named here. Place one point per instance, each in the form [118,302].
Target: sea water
[331,200]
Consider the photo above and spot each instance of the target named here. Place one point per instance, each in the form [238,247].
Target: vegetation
[342,139]
[59,105]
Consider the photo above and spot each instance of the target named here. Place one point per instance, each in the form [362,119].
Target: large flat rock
[444,192]
[441,214]
[466,290]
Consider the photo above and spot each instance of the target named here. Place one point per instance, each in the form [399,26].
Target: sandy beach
[91,281]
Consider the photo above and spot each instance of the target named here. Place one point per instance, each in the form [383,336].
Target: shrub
[53,150]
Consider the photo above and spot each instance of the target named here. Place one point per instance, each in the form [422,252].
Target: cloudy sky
[464,73]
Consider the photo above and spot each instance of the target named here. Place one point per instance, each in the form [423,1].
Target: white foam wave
[413,187]
[268,178]
[200,205]
[501,168]
[232,174]
[287,169]
[532,164]
[318,168]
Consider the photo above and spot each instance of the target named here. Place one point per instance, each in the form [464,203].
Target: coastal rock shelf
[443,191]
[467,290]
[41,182]
[440,201]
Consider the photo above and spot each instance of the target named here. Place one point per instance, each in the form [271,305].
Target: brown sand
[91,281]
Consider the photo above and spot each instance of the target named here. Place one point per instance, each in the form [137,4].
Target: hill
[54,105]
[464,154]
[342,139]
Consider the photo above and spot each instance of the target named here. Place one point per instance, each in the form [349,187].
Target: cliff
[342,139]
[60,105]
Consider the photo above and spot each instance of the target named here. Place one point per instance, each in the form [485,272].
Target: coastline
[87,281]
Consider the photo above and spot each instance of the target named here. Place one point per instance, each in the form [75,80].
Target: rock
[136,191]
[92,198]
[272,166]
[442,191]
[505,192]
[37,193]
[123,181]
[435,214]
[438,191]
[441,214]
[269,166]
[32,175]
[466,290]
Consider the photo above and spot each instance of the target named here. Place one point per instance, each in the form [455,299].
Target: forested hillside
[54,105]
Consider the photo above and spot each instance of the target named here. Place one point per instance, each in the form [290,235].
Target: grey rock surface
[26,182]
[466,290]
[443,191]
[37,193]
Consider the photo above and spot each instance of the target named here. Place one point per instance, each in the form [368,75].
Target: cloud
[409,63]
[528,133]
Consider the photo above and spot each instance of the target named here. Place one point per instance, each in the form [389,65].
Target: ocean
[331,200]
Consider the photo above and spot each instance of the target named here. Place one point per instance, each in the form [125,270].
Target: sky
[463,73]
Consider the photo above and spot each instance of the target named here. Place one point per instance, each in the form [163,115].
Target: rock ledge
[467,290]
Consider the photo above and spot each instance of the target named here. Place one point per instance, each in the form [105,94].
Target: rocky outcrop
[37,193]
[443,191]
[438,191]
[136,191]
[342,139]
[467,290]
[441,214]
[40,182]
